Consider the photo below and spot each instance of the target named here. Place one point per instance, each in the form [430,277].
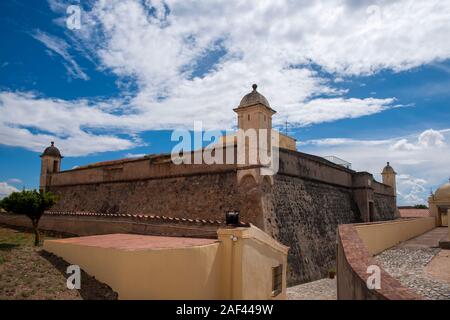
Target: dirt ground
[28,272]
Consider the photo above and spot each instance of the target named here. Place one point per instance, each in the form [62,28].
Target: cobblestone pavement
[407,264]
[323,289]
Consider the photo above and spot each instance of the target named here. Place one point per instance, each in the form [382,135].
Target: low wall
[378,237]
[173,273]
[357,243]
[84,224]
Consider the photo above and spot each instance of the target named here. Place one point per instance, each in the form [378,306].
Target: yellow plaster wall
[381,236]
[238,266]
[248,263]
[287,142]
[185,273]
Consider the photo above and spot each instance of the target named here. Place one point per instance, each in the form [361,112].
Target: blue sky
[362,81]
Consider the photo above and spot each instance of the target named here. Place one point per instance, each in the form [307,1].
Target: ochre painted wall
[381,236]
[353,260]
[186,273]
[248,263]
[227,269]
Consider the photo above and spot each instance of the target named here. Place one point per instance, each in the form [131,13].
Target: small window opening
[277,280]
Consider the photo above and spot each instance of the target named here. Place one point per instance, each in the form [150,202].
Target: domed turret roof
[51,151]
[443,192]
[388,169]
[253,98]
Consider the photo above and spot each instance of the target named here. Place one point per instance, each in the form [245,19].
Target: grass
[28,272]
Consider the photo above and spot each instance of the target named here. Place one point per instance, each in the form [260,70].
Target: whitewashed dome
[443,192]
[253,98]
[52,151]
[388,169]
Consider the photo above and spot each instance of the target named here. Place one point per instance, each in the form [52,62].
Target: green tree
[31,204]
[420,206]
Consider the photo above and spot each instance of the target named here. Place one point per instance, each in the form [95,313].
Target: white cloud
[61,47]
[404,145]
[66,123]
[431,138]
[14,181]
[419,160]
[412,190]
[134,155]
[332,109]
[6,189]
[159,45]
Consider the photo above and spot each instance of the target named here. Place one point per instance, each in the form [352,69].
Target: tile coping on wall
[358,257]
[142,217]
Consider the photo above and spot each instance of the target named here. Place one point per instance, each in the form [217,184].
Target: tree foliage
[31,204]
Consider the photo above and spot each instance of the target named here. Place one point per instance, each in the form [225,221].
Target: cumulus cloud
[32,122]
[431,138]
[418,159]
[412,190]
[6,189]
[161,45]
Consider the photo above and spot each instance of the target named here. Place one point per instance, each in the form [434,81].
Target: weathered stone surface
[385,207]
[206,196]
[304,216]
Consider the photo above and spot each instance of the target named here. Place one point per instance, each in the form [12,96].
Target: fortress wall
[381,188]
[385,204]
[131,170]
[310,197]
[311,167]
[200,196]
[304,215]
[302,208]
[385,207]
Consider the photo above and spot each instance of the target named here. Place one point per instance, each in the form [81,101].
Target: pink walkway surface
[429,239]
[414,213]
[132,242]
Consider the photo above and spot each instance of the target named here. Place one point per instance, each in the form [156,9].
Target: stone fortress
[300,206]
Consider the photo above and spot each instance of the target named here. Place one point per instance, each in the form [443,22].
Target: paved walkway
[323,289]
[420,265]
[429,239]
